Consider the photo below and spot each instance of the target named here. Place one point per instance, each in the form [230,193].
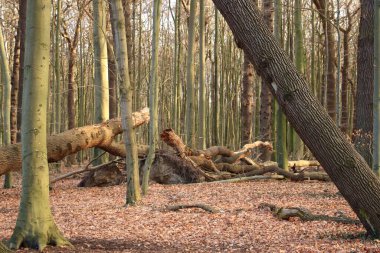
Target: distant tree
[153,97]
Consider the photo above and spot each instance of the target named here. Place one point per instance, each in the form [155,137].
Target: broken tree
[74,140]
[347,169]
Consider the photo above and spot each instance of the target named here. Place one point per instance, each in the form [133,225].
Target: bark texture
[248,102]
[347,169]
[363,127]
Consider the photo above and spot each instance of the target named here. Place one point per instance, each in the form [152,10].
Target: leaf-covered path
[95,220]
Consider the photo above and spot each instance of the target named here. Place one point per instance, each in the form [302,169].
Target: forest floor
[96,220]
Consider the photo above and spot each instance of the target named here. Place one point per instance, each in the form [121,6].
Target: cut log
[71,141]
[303,163]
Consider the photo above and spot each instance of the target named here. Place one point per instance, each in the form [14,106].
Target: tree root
[4,249]
[37,238]
[205,207]
[285,213]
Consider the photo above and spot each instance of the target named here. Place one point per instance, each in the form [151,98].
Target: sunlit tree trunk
[126,92]
[298,146]
[35,226]
[6,84]
[190,77]
[202,78]
[153,97]
[100,68]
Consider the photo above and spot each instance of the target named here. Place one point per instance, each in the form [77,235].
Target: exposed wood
[72,141]
[205,207]
[303,163]
[174,141]
[285,213]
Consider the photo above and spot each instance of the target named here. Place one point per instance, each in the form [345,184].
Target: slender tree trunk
[325,14]
[265,96]
[112,75]
[281,122]
[190,76]
[22,27]
[100,68]
[202,78]
[346,74]
[35,226]
[153,97]
[6,83]
[376,94]
[363,127]
[215,96]
[248,102]
[345,166]
[298,147]
[133,182]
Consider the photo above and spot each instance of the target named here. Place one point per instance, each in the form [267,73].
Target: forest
[189,126]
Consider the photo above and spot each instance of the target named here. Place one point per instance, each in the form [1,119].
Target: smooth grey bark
[347,169]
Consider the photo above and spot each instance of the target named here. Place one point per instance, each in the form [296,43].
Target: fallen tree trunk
[74,140]
[285,213]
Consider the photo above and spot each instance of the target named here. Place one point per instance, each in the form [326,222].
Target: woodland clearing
[96,220]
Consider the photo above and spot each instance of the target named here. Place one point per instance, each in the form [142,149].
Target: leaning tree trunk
[35,226]
[347,169]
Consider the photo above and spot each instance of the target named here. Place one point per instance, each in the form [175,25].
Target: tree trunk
[363,128]
[376,95]
[35,226]
[126,90]
[347,169]
[74,140]
[265,96]
[6,82]
[153,96]
[22,28]
[325,15]
[202,78]
[248,102]
[190,77]
[100,68]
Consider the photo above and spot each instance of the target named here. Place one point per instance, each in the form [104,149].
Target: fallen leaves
[95,219]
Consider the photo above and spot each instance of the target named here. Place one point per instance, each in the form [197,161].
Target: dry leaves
[95,219]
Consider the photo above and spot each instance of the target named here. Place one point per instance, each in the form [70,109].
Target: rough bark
[74,140]
[363,128]
[266,96]
[347,169]
[248,102]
